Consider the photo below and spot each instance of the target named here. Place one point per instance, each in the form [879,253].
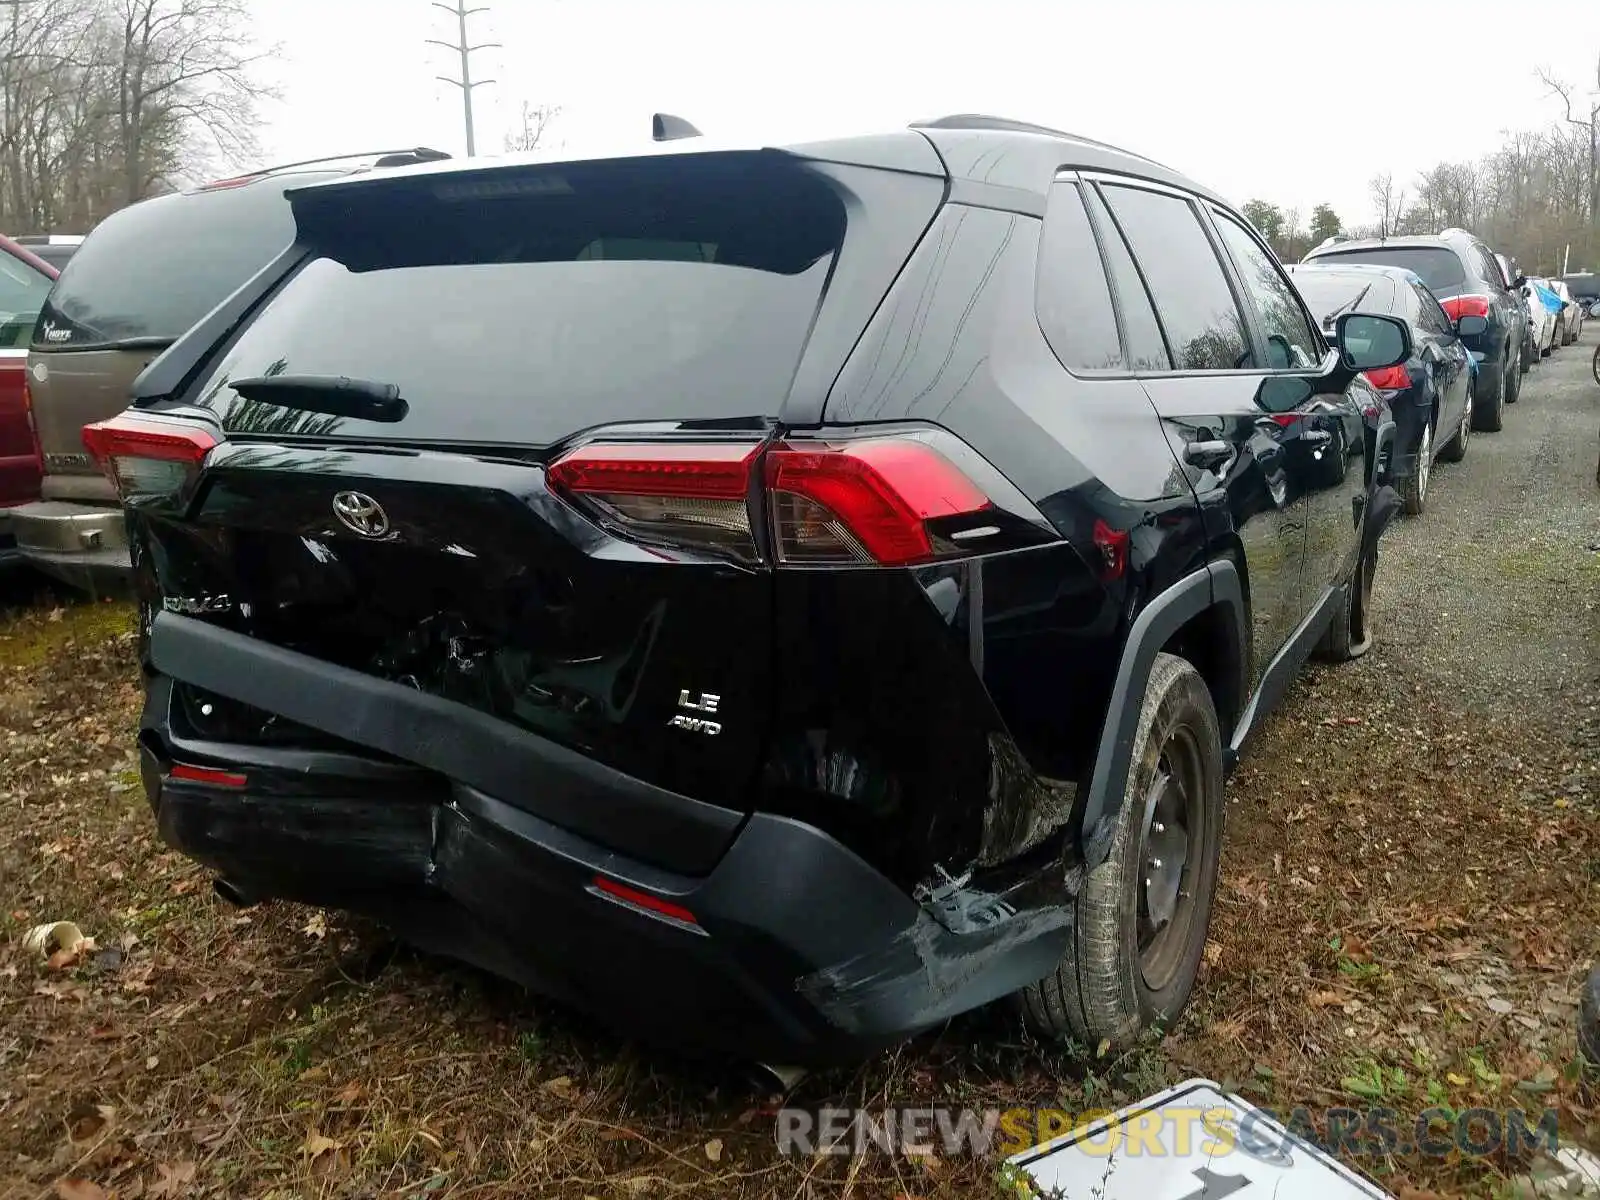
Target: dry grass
[1408,900]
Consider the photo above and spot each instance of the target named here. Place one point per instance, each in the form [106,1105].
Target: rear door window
[1072,296]
[1144,347]
[567,299]
[1203,322]
[155,268]
[22,292]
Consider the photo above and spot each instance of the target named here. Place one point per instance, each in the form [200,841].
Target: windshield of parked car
[22,292]
[1439,267]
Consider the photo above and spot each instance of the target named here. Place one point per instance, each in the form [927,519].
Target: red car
[25,280]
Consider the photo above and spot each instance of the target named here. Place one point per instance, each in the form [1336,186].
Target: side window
[1489,268]
[1203,323]
[1433,317]
[1144,347]
[1071,296]
[1290,343]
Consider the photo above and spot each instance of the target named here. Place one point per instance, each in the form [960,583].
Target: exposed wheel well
[1209,642]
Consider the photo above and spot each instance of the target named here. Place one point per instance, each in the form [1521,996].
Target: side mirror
[1519,281]
[1368,342]
[1472,326]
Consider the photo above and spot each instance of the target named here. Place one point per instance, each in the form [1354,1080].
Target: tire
[1349,635]
[1456,449]
[1414,487]
[1489,398]
[1103,990]
[1514,386]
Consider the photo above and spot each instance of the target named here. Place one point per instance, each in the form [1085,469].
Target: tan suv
[140,279]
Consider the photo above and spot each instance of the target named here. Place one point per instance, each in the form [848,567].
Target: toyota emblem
[360,513]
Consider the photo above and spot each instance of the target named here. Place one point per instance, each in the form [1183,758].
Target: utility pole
[461,12]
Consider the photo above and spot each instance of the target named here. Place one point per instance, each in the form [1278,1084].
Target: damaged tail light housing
[146,457]
[871,501]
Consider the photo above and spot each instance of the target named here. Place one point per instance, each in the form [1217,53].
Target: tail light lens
[1465,306]
[686,495]
[33,425]
[145,457]
[887,501]
[863,502]
[1390,379]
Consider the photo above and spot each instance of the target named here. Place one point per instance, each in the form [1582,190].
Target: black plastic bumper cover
[800,951]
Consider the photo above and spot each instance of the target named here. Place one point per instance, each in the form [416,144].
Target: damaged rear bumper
[788,949]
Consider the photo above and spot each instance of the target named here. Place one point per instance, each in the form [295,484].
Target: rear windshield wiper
[337,395]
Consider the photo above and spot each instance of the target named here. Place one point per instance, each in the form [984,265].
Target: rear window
[1583,287]
[22,292]
[1329,295]
[521,308]
[1439,267]
[152,270]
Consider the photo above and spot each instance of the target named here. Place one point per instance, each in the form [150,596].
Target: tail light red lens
[1390,379]
[646,901]
[860,502]
[145,457]
[867,501]
[1465,306]
[686,495]
[33,424]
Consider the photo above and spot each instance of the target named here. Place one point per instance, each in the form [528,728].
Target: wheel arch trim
[1217,584]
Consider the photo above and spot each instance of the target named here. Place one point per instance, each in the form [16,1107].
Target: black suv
[774,599]
[1463,273]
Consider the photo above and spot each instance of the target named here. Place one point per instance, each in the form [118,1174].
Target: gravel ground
[1493,594]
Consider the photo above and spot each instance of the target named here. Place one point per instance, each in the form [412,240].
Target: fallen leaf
[349,1094]
[80,1189]
[316,927]
[55,615]
[319,1143]
[1458,1080]
[1325,999]
[714,1149]
[173,1180]
[1213,953]
[561,1085]
[151,1063]
[1500,1005]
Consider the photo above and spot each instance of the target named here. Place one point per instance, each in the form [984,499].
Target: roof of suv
[986,150]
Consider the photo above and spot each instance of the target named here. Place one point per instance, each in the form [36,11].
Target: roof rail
[385,158]
[1007,125]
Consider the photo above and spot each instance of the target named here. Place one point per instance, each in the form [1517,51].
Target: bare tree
[1590,123]
[533,127]
[103,102]
[183,72]
[1387,203]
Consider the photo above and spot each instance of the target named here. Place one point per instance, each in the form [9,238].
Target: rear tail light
[889,501]
[33,425]
[144,457]
[687,495]
[1465,306]
[1390,379]
[869,501]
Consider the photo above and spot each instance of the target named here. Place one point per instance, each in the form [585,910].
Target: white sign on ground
[1191,1142]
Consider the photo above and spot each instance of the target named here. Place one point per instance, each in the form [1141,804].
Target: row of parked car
[775,598]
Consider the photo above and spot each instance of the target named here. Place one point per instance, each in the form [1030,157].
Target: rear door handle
[1317,437]
[1208,456]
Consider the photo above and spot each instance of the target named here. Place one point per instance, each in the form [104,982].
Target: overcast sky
[1293,101]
